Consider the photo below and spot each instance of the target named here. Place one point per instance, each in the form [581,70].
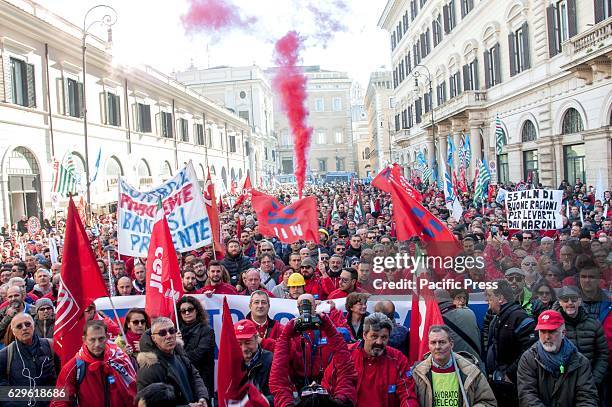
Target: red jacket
[111,326]
[288,359]
[319,287]
[269,332]
[221,288]
[343,294]
[391,382]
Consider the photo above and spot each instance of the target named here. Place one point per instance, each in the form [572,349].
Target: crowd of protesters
[545,338]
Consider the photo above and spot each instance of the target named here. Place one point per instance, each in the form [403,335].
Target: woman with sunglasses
[545,292]
[136,323]
[199,338]
[356,308]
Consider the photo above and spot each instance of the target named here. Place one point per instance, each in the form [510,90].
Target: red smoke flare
[213,15]
[290,83]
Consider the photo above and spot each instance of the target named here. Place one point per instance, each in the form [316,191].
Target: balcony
[589,53]
[467,100]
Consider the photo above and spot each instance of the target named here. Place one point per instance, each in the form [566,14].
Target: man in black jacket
[234,261]
[511,332]
[257,360]
[161,361]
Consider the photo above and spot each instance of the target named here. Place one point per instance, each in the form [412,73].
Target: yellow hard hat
[296,280]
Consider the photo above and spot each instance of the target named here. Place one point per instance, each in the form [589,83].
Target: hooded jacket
[154,368]
[236,265]
[538,388]
[475,383]
[588,335]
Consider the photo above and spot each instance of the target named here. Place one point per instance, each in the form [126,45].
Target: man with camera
[382,371]
[301,355]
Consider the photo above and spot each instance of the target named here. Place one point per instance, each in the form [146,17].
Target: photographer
[302,352]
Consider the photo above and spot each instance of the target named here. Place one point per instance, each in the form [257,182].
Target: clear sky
[150,32]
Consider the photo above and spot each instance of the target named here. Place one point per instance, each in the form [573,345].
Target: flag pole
[118,320]
[174,302]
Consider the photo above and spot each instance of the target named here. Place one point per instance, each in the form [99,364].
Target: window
[340,164]
[470,76]
[319,105]
[339,137]
[73,97]
[143,118]
[184,126]
[436,27]
[603,10]
[287,166]
[337,104]
[454,83]
[404,119]
[418,109]
[165,124]
[401,72]
[22,83]
[528,133]
[518,42]
[561,24]
[450,19]
[572,122]
[322,164]
[492,67]
[405,21]
[321,137]
[428,102]
[408,63]
[413,9]
[466,7]
[503,169]
[393,41]
[574,163]
[244,114]
[410,116]
[416,51]
[113,109]
[530,166]
[397,122]
[285,138]
[232,144]
[247,151]
[209,138]
[441,93]
[198,131]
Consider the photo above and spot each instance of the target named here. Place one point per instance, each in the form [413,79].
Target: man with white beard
[552,371]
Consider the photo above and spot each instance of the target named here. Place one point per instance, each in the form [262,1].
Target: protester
[44,319]
[268,329]
[161,362]
[16,298]
[348,284]
[198,337]
[552,371]
[257,361]
[135,324]
[215,283]
[437,377]
[356,308]
[399,338]
[296,285]
[545,293]
[234,261]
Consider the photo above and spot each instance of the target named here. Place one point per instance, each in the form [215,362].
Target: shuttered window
[561,21]
[112,109]
[466,7]
[492,66]
[198,130]
[518,44]
[143,118]
[232,144]
[165,124]
[22,83]
[603,10]
[184,126]
[450,17]
[73,97]
[418,109]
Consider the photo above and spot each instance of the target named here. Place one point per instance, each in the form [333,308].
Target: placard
[534,209]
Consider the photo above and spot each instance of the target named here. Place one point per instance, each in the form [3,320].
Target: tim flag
[80,284]
[246,191]
[297,221]
[163,275]
[213,214]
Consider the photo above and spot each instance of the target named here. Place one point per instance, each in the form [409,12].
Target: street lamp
[428,77]
[108,19]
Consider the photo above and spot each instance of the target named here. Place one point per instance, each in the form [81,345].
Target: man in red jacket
[348,284]
[318,287]
[100,374]
[216,285]
[382,371]
[289,358]
[268,329]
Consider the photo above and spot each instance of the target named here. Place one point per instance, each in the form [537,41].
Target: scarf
[132,338]
[115,363]
[556,363]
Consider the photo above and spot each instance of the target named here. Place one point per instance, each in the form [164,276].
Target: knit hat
[42,302]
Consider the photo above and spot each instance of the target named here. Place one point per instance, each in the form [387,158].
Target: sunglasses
[543,293]
[185,311]
[45,308]
[304,267]
[514,278]
[568,299]
[138,322]
[340,249]
[164,332]
[22,325]
[345,280]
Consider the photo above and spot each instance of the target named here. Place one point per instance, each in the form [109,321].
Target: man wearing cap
[314,284]
[522,295]
[552,371]
[44,319]
[584,331]
[296,284]
[257,361]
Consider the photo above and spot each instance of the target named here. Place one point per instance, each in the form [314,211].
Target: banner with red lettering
[183,205]
[297,221]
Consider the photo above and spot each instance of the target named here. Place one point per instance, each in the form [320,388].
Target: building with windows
[142,125]
[329,106]
[527,80]
[362,141]
[379,104]
[245,91]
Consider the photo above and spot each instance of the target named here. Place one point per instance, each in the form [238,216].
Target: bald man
[399,338]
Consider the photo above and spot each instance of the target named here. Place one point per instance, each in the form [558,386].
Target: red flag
[229,368]
[221,207]
[162,269]
[388,175]
[238,227]
[81,283]
[213,214]
[246,191]
[297,221]
[425,313]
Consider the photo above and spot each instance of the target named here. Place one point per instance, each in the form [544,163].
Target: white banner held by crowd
[183,204]
[534,209]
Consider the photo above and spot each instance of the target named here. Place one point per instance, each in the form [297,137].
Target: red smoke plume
[213,15]
[290,83]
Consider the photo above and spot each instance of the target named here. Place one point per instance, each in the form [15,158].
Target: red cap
[245,329]
[549,320]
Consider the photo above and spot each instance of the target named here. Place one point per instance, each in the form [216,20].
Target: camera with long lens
[307,321]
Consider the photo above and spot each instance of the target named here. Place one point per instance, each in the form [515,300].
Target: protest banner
[183,205]
[534,209]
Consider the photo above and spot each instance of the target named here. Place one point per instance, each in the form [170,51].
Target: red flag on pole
[297,221]
[238,227]
[213,214]
[163,275]
[80,284]
[245,193]
[387,176]
[424,313]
